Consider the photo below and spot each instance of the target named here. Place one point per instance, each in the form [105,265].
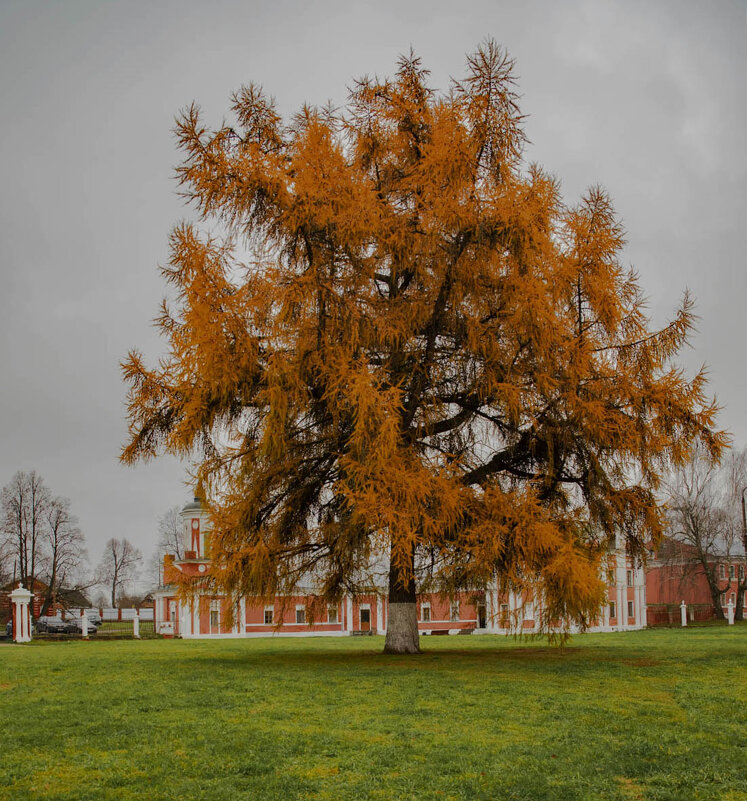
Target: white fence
[108,614]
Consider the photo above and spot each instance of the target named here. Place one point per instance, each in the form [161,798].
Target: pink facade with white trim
[303,614]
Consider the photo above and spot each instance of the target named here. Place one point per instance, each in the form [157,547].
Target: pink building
[304,614]
[674,575]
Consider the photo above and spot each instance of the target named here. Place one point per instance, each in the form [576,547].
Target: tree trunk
[402,627]
[739,611]
[716,600]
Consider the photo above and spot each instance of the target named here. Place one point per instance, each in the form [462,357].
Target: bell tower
[195,526]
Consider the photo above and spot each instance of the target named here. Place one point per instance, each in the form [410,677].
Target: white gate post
[20,599]
[683,613]
[84,622]
[136,625]
[730,612]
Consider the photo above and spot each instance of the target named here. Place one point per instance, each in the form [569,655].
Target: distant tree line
[42,546]
[40,539]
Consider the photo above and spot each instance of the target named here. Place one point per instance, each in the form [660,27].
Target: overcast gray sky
[644,98]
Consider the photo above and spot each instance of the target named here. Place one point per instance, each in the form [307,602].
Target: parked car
[94,617]
[75,626]
[51,624]
[9,629]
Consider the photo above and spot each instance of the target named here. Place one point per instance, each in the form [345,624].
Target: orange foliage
[428,355]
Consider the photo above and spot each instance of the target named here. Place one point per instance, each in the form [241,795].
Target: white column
[380,615]
[183,618]
[349,613]
[619,606]
[83,623]
[242,612]
[136,625]
[641,619]
[730,612]
[20,599]
[683,613]
[622,594]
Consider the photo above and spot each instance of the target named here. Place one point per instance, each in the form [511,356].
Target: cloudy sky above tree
[647,100]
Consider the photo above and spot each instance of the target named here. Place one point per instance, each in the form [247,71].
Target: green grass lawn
[640,715]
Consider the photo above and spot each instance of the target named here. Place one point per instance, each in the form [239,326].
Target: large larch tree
[398,347]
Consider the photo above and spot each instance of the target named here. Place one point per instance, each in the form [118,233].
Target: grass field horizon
[654,714]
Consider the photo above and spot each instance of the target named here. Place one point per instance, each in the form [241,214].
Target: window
[300,614]
[610,575]
[741,572]
[722,599]
[454,610]
[631,612]
[504,615]
[425,613]
[630,578]
[721,571]
[332,614]
[269,615]
[612,609]
[214,614]
[731,571]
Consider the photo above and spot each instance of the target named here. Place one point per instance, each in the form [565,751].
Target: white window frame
[631,609]
[302,609]
[613,609]
[333,608]
[454,611]
[425,607]
[271,610]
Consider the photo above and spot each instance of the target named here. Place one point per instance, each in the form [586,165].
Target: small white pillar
[84,623]
[136,625]
[683,613]
[380,616]
[20,599]
[730,612]
[349,613]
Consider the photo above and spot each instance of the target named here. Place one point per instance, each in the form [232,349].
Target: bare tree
[170,540]
[99,600]
[7,560]
[25,502]
[735,470]
[703,517]
[65,552]
[118,566]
